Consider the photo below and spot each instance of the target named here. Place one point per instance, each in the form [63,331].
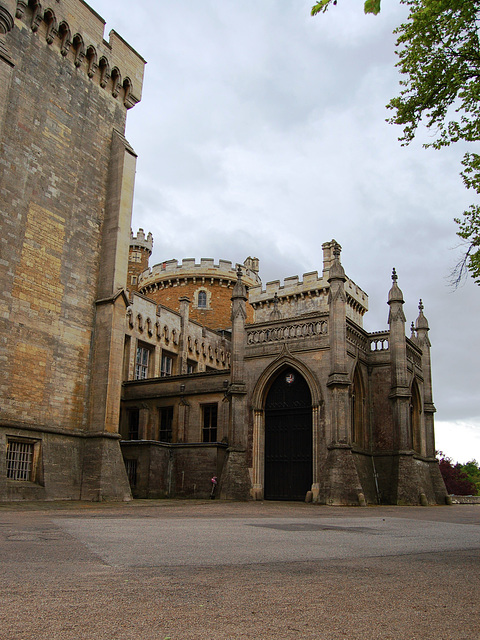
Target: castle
[121,379]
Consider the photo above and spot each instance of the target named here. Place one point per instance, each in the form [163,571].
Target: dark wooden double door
[288,438]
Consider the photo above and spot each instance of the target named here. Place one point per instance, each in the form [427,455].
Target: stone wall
[66,183]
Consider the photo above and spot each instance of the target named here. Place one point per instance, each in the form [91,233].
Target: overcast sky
[262,132]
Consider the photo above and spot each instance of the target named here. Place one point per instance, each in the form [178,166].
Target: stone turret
[139,253]
[422,329]
[400,392]
[236,482]
[208,285]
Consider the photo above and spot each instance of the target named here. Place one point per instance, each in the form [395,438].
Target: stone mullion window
[210,418]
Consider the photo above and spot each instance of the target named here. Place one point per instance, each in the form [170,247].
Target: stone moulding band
[10,424]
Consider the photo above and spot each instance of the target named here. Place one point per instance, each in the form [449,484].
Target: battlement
[297,297]
[311,285]
[78,33]
[141,241]
[205,269]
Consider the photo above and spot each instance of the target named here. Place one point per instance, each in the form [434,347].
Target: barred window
[131,469]
[20,460]
[210,422]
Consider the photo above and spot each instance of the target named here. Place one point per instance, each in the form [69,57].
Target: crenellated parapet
[77,32]
[173,272]
[141,241]
[309,295]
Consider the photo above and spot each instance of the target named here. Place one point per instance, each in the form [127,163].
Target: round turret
[139,253]
[209,286]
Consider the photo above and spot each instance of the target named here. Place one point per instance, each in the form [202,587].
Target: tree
[455,478]
[370,6]
[472,470]
[439,57]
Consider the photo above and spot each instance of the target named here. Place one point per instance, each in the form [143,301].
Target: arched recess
[284,364]
[357,410]
[52,25]
[415,418]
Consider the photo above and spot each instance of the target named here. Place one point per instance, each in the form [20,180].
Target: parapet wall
[78,31]
[298,297]
[173,270]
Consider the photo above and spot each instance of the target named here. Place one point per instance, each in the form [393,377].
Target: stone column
[423,341]
[235,481]
[407,488]
[422,329]
[104,471]
[342,484]
[183,342]
[397,344]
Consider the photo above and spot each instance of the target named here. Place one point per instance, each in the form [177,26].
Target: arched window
[415,419]
[357,410]
[202,299]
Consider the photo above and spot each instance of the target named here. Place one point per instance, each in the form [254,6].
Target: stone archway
[281,366]
[288,437]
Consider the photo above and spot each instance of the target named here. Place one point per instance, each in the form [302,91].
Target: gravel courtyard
[177,570]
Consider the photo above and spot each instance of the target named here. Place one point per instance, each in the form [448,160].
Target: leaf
[322,5]
[372,6]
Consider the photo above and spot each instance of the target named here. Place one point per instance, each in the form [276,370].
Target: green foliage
[439,52]
[472,471]
[370,6]
[460,479]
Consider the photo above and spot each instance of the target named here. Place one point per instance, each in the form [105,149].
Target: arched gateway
[288,437]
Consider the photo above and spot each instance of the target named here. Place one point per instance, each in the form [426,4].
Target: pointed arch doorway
[288,437]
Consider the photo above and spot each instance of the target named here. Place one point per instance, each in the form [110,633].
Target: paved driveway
[211,570]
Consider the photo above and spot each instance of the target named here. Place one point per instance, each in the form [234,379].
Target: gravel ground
[173,570]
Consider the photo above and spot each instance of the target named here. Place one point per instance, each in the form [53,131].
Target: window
[209,422]
[141,362]
[166,421]
[166,366]
[20,460]
[191,367]
[133,424]
[202,299]
[131,469]
[133,279]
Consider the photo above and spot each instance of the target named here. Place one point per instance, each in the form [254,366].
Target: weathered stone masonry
[66,188]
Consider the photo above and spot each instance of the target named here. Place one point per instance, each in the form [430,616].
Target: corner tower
[66,178]
[139,254]
[209,286]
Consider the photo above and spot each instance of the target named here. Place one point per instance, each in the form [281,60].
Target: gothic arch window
[357,410]
[202,299]
[415,418]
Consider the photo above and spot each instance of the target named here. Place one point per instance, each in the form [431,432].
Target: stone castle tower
[207,285]
[66,184]
[139,253]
